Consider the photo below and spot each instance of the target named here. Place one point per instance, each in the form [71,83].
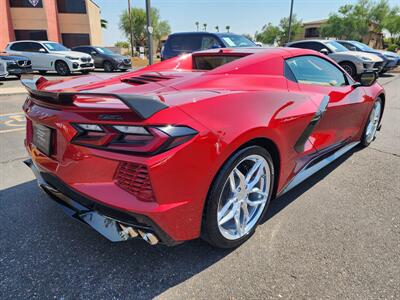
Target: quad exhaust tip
[128,232]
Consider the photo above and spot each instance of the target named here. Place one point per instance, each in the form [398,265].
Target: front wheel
[62,68]
[372,125]
[85,72]
[108,67]
[238,198]
[349,68]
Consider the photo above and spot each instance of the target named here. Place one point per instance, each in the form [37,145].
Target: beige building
[70,22]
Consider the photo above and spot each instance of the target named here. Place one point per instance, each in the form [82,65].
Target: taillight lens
[137,139]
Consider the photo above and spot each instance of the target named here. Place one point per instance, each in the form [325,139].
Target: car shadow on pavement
[46,254]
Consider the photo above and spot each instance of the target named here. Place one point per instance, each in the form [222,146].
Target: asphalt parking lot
[336,236]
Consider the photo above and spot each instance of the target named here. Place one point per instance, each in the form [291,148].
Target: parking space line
[12,130]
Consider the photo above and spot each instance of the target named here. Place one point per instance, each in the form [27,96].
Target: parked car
[105,59]
[391,60]
[195,145]
[51,56]
[353,62]
[3,69]
[188,42]
[16,65]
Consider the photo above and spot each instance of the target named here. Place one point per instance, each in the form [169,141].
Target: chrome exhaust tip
[127,232]
[148,237]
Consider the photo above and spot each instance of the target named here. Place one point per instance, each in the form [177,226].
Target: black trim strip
[143,106]
[301,142]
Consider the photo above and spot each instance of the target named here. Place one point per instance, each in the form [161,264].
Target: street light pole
[130,25]
[149,32]
[290,21]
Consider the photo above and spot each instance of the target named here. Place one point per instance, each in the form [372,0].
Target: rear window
[232,40]
[185,43]
[209,62]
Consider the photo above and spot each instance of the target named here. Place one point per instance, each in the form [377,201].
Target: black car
[16,65]
[188,42]
[105,59]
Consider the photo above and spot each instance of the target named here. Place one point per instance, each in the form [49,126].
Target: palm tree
[205,26]
[197,25]
[228,28]
[103,23]
[217,28]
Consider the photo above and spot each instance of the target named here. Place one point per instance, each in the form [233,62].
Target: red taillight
[134,178]
[136,139]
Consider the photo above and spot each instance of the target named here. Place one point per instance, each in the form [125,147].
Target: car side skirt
[312,167]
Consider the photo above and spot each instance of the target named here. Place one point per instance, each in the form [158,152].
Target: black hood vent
[147,78]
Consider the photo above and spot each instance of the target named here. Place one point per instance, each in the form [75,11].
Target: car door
[41,57]
[342,106]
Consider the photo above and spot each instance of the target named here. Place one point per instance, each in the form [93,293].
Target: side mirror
[94,53]
[324,51]
[367,79]
[42,50]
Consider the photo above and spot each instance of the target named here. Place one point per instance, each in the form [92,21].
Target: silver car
[353,62]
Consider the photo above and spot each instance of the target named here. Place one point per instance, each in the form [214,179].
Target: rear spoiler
[143,106]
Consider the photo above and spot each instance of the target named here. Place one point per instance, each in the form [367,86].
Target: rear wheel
[238,198]
[349,68]
[108,67]
[42,72]
[372,125]
[62,68]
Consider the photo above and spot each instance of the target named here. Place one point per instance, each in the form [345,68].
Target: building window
[26,3]
[71,40]
[38,35]
[71,7]
[311,32]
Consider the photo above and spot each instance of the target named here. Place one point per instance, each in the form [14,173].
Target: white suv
[51,56]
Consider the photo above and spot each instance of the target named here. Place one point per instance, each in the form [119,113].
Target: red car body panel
[246,100]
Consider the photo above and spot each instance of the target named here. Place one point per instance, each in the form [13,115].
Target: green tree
[121,44]
[352,20]
[268,35]
[284,29]
[391,23]
[138,16]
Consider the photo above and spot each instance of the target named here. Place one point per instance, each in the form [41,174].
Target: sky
[244,16]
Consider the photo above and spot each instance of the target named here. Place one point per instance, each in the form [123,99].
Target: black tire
[350,68]
[108,66]
[42,72]
[62,68]
[210,230]
[85,72]
[367,139]
[18,76]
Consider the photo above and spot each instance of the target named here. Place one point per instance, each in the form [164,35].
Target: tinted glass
[23,46]
[71,7]
[71,40]
[209,62]
[309,45]
[35,47]
[315,70]
[362,46]
[186,43]
[209,42]
[233,40]
[347,45]
[103,50]
[25,3]
[38,35]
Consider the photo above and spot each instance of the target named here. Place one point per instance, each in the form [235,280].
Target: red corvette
[196,145]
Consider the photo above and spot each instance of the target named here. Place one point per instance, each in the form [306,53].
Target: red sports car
[195,146]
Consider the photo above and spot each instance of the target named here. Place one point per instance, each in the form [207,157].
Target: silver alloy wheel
[348,69]
[373,121]
[243,197]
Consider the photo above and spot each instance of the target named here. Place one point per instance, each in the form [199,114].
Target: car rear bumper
[116,225]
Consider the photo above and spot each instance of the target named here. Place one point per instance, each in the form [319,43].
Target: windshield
[362,46]
[336,47]
[55,47]
[231,40]
[103,50]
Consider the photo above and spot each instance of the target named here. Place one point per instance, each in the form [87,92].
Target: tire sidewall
[210,230]
[364,141]
[58,63]
[107,63]
[351,66]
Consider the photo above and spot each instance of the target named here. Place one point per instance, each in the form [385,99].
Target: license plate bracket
[42,138]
